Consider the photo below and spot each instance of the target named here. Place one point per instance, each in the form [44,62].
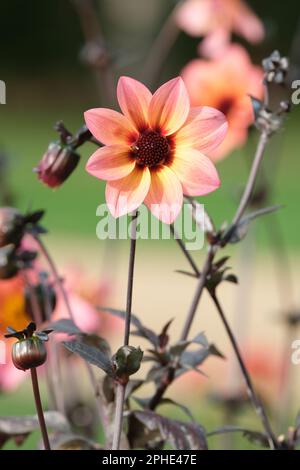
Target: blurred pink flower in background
[153,151]
[10,377]
[84,295]
[225,84]
[216,20]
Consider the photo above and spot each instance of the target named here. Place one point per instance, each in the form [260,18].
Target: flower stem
[39,408]
[202,274]
[56,276]
[120,398]
[95,49]
[53,365]
[65,298]
[36,312]
[121,387]
[245,199]
[250,389]
[160,49]
[263,140]
[185,251]
[200,287]
[130,278]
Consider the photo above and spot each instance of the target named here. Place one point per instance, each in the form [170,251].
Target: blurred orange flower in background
[12,304]
[216,20]
[225,84]
[83,295]
[12,313]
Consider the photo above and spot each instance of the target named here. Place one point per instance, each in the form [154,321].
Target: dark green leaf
[231,278]
[253,436]
[160,357]
[180,435]
[201,339]
[71,441]
[257,106]
[65,326]
[218,264]
[141,329]
[187,273]
[237,233]
[185,409]
[156,373]
[192,359]
[97,342]
[91,354]
[178,348]
[19,427]
[140,437]
[163,337]
[42,335]
[34,217]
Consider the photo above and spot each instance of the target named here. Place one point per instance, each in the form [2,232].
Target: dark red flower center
[225,105]
[150,149]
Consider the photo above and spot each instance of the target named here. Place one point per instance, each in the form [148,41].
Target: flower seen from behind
[154,151]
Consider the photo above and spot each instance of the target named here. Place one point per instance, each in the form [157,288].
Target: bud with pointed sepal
[30,350]
[57,165]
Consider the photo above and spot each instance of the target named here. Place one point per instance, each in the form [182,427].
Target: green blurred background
[40,44]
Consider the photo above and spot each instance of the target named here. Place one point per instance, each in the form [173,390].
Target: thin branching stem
[59,282]
[259,408]
[95,48]
[202,279]
[246,197]
[130,279]
[160,49]
[121,387]
[199,290]
[250,389]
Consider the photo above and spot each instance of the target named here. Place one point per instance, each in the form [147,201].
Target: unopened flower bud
[29,353]
[127,361]
[57,165]
[30,350]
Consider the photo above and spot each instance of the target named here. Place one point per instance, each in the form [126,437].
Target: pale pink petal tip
[169,107]
[134,100]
